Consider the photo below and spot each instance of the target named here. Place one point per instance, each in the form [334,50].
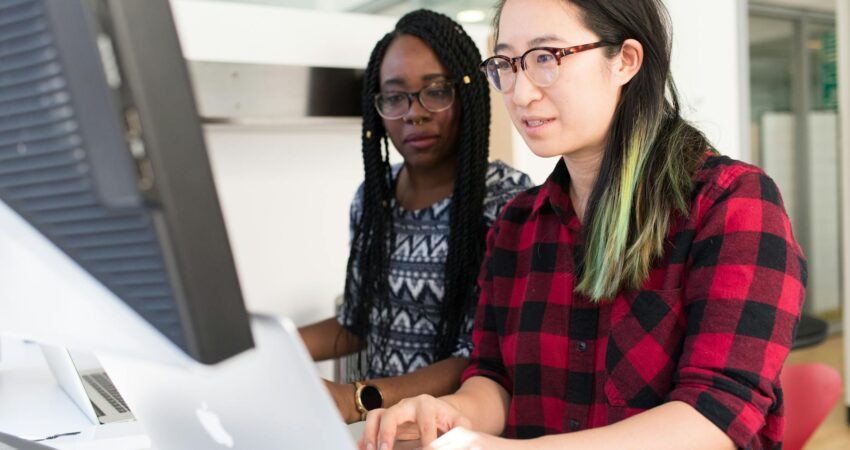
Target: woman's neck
[417,187]
[420,178]
[583,167]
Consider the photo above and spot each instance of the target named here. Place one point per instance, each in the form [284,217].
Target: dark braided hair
[370,253]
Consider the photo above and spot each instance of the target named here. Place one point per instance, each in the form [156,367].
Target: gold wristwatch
[366,398]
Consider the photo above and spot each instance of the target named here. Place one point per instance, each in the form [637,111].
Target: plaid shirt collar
[555,194]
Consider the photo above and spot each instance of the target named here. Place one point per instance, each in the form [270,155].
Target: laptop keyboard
[103,385]
[97,411]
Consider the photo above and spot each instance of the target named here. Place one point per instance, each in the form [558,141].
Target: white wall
[711,70]
[264,34]
[285,196]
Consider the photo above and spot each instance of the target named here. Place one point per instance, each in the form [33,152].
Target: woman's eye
[438,93]
[393,99]
[544,58]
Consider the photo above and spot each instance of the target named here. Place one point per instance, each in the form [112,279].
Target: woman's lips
[536,125]
[421,141]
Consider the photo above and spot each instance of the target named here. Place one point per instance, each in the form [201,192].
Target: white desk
[33,406]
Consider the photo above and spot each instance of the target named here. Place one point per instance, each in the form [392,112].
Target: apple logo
[212,424]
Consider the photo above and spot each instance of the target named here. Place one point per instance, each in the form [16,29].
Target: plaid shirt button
[575,425]
[582,346]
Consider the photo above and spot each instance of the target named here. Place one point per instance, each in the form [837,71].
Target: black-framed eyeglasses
[539,63]
[437,96]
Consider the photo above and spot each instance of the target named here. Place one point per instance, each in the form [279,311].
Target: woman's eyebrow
[398,82]
[544,39]
[434,76]
[536,42]
[393,82]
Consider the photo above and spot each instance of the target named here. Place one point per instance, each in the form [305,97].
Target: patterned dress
[416,267]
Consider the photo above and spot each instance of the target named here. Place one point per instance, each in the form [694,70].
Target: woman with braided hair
[417,228]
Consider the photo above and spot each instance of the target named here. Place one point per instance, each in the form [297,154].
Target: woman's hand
[460,438]
[422,417]
[343,395]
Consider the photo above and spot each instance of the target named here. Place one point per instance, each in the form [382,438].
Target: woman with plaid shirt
[646,295]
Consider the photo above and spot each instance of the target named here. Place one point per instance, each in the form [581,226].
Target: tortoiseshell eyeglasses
[539,63]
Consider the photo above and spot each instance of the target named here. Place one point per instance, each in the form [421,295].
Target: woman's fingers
[459,438]
[426,419]
[387,429]
[370,431]
[422,417]
[382,426]
[403,412]
[450,418]
[407,432]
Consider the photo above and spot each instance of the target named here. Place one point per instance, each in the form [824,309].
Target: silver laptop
[87,385]
[269,397]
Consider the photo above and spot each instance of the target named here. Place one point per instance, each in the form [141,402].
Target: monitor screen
[101,152]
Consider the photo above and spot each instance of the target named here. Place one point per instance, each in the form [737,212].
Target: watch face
[370,397]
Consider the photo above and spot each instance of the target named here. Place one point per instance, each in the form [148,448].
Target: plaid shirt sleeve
[744,286]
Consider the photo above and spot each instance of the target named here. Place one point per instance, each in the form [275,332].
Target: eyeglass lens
[540,66]
[434,98]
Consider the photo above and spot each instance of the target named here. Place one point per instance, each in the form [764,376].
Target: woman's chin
[545,152]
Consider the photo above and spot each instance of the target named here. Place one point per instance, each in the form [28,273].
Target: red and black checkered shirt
[711,327]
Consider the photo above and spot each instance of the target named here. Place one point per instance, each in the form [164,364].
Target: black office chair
[810,331]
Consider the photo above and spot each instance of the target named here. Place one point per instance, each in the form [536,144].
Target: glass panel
[772,121]
[823,61]
[823,172]
[793,79]
[464,11]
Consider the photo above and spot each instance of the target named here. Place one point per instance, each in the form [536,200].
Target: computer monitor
[111,234]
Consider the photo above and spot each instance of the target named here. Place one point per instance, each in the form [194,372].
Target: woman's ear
[626,64]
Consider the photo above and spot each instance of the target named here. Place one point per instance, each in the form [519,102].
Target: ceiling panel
[453,7]
[815,5]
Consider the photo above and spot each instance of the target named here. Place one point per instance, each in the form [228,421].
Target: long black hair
[367,283]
